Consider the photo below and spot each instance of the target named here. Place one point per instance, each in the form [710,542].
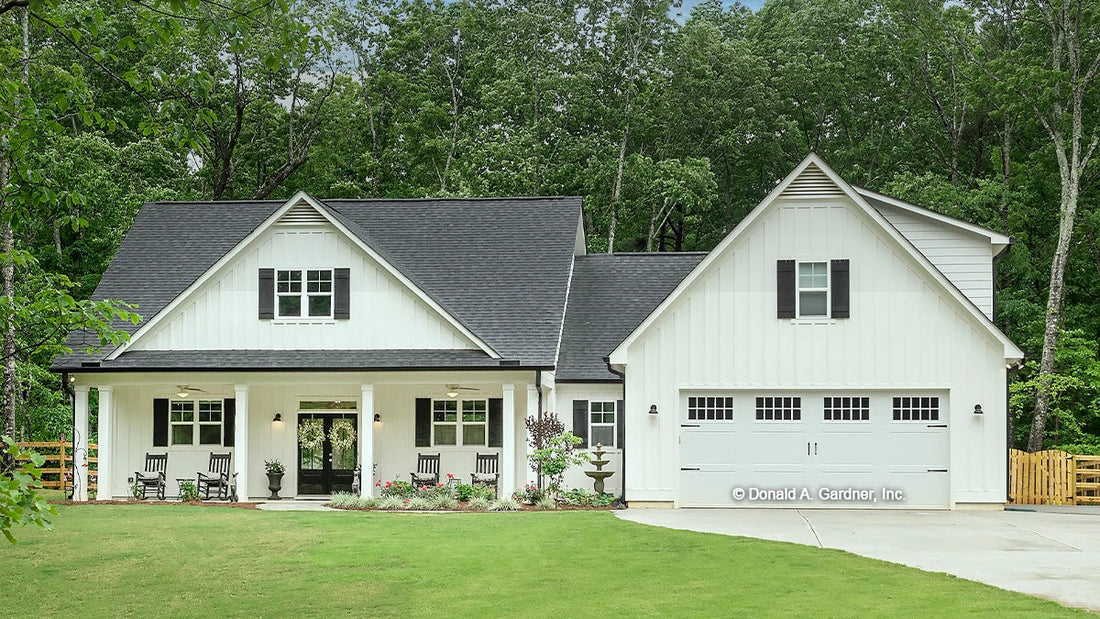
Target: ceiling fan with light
[185,390]
[453,390]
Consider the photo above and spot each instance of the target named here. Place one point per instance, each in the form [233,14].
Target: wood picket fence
[57,470]
[1053,477]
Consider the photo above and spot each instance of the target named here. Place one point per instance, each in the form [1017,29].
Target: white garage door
[814,449]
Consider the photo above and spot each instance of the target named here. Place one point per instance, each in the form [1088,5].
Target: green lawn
[183,560]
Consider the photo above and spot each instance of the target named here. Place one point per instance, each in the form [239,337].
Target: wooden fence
[1053,478]
[57,470]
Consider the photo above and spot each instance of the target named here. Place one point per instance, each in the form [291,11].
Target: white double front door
[873,449]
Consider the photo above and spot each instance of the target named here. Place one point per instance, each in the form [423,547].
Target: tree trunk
[616,190]
[1068,208]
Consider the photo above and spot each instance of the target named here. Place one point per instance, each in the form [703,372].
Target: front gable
[361,301]
[813,216]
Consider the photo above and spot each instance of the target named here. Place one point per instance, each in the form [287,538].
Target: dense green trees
[672,126]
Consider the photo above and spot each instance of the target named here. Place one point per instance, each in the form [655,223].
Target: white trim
[998,240]
[459,423]
[1011,351]
[614,425]
[798,290]
[261,229]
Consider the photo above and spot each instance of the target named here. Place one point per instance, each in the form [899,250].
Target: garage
[847,449]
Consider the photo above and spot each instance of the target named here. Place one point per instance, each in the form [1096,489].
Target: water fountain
[599,474]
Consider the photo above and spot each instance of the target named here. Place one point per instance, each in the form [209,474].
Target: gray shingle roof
[610,295]
[500,266]
[289,360]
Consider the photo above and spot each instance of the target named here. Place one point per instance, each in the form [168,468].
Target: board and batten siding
[963,257]
[221,314]
[905,333]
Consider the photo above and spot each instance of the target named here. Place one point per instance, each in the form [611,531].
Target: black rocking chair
[153,477]
[427,470]
[218,478]
[487,471]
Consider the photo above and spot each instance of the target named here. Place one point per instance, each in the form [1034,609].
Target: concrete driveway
[1050,555]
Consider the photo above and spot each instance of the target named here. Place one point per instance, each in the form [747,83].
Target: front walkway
[1050,555]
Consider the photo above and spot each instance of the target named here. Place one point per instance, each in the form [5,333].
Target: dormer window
[315,297]
[304,294]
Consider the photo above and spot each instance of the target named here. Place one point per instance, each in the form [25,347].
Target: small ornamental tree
[557,457]
[540,429]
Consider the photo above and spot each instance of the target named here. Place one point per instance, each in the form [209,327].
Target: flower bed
[403,496]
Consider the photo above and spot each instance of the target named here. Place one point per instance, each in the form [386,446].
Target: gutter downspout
[67,388]
[622,448]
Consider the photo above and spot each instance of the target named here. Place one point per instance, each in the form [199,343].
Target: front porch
[394,416]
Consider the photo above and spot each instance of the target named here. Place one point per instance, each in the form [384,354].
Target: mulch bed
[203,503]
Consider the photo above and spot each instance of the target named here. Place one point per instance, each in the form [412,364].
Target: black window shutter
[267,293]
[423,422]
[784,288]
[341,308]
[580,422]
[841,305]
[229,421]
[620,424]
[160,422]
[496,422]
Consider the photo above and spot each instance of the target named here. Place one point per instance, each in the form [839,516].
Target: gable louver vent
[813,182]
[302,214]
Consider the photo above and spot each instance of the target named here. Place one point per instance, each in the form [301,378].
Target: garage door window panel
[847,408]
[779,408]
[710,408]
[916,408]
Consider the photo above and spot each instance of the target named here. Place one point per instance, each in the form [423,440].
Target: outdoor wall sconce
[278,418]
[378,418]
[652,409]
[977,409]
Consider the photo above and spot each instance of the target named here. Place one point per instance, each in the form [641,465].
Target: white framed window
[182,421]
[460,422]
[601,424]
[474,415]
[779,408]
[710,408]
[187,426]
[295,300]
[813,289]
[210,422]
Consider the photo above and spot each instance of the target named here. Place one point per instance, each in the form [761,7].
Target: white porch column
[366,442]
[80,444]
[240,441]
[532,411]
[105,451]
[508,458]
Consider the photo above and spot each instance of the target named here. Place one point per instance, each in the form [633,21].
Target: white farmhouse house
[835,349]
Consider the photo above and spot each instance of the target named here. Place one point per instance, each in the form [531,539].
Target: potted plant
[275,470]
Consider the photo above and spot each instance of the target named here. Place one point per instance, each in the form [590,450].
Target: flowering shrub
[396,488]
[529,494]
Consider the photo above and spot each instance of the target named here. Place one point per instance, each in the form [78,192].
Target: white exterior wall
[222,313]
[963,257]
[566,393]
[905,333]
[394,450]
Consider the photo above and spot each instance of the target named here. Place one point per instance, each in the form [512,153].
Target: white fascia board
[1011,351]
[255,234]
[996,239]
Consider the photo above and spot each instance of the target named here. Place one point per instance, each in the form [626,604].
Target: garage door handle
[937,425]
[688,468]
[937,470]
[689,425]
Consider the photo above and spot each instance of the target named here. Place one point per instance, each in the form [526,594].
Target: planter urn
[274,484]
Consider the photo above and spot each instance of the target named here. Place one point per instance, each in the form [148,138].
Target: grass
[106,560]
